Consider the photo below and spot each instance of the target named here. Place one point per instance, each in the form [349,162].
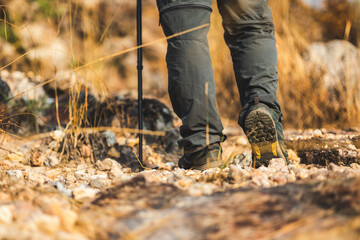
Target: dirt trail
[107,200]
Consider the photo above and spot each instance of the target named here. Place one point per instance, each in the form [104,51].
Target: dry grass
[303,91]
[90,32]
[302,94]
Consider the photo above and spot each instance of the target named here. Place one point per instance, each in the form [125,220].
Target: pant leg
[249,33]
[190,71]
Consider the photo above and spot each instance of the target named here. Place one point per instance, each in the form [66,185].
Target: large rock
[22,85]
[338,62]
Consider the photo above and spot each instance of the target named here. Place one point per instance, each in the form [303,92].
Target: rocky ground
[87,183]
[84,183]
[42,197]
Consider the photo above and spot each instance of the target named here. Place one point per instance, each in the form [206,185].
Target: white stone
[98,176]
[15,174]
[277,164]
[317,133]
[168,166]
[303,175]
[61,187]
[100,182]
[106,164]
[6,214]
[336,61]
[57,135]
[115,172]
[81,175]
[110,138]
[84,193]
[210,174]
[238,174]
[52,160]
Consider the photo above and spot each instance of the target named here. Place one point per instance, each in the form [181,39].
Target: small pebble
[317,133]
[237,174]
[169,166]
[110,138]
[52,160]
[6,214]
[15,174]
[106,164]
[185,182]
[37,159]
[85,151]
[261,181]
[115,172]
[293,157]
[83,193]
[210,174]
[277,164]
[100,183]
[302,175]
[57,135]
[61,187]
[81,175]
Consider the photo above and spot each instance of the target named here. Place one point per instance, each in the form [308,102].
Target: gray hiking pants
[249,33]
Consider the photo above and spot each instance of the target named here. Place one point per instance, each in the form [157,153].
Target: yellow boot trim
[273,148]
[257,152]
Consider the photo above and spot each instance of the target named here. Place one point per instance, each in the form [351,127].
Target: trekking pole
[139,68]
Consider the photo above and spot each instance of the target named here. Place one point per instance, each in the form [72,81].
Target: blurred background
[318,43]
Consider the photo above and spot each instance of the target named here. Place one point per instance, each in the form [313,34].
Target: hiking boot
[206,158]
[265,134]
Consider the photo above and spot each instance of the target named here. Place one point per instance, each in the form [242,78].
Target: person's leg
[249,33]
[190,72]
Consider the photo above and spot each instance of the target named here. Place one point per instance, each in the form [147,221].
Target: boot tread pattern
[261,132]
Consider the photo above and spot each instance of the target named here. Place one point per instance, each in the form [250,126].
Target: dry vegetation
[297,25]
[86,183]
[301,88]
[63,35]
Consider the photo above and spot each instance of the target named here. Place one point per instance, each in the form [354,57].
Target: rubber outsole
[209,165]
[202,161]
[212,160]
[261,132]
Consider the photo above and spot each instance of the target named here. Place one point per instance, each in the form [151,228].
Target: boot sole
[209,165]
[213,160]
[261,132]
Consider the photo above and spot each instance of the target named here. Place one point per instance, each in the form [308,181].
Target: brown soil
[315,197]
